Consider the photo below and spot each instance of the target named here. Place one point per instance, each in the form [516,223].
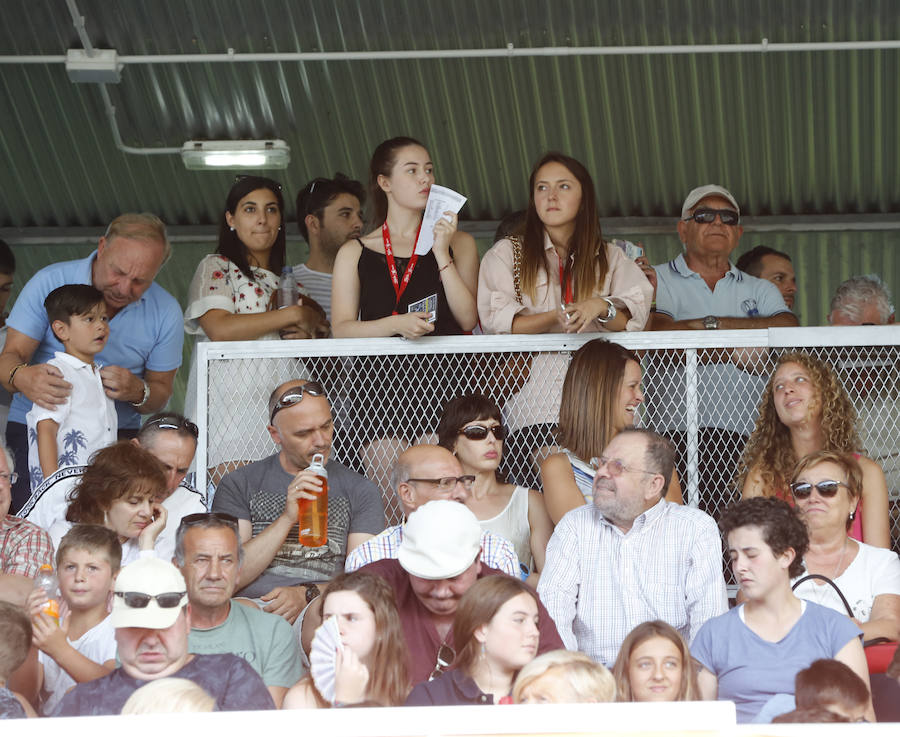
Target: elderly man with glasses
[631,556]
[280,572]
[172,439]
[209,555]
[152,620]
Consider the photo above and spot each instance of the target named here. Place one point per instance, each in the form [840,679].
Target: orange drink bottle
[314,512]
[46,580]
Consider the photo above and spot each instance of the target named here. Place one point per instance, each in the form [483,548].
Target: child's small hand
[35,602]
[48,635]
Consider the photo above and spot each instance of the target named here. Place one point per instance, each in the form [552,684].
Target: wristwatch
[312,591]
[711,322]
[610,312]
[138,405]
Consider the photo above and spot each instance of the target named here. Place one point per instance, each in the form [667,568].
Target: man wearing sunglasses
[700,289]
[278,571]
[172,439]
[631,556]
[152,619]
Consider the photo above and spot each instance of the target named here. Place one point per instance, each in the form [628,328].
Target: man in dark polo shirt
[438,560]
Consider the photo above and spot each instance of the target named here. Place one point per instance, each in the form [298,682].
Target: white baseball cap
[149,593]
[441,539]
[707,190]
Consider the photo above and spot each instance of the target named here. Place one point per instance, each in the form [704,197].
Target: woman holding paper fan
[379,280]
[369,665]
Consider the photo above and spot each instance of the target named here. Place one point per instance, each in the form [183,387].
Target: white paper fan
[323,657]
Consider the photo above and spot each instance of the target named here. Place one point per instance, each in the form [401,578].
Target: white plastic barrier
[393,387]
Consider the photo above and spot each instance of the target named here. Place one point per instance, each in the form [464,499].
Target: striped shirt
[496,552]
[317,285]
[599,583]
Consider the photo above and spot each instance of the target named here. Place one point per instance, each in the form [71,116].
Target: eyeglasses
[448,482]
[445,657]
[826,489]
[198,518]
[616,468]
[294,395]
[705,215]
[171,422]
[10,477]
[480,432]
[137,600]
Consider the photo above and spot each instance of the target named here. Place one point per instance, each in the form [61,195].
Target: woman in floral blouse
[230,298]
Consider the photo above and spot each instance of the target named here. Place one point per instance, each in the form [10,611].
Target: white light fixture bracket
[267,154]
[100,66]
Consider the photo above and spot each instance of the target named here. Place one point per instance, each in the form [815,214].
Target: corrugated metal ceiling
[789,133]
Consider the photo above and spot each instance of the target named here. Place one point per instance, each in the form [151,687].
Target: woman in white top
[827,486]
[471,429]
[601,395]
[231,298]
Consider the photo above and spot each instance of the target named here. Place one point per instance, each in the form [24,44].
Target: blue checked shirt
[599,583]
[496,552]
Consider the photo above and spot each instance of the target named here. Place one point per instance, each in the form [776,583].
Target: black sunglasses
[480,432]
[137,600]
[294,395]
[445,657]
[198,518]
[174,423]
[826,489]
[265,181]
[705,215]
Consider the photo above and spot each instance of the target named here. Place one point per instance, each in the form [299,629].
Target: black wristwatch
[312,591]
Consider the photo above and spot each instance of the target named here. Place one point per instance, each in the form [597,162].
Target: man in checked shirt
[631,556]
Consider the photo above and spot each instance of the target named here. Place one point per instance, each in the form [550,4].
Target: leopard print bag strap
[517,266]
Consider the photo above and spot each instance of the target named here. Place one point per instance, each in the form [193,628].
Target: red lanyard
[399,284]
[569,297]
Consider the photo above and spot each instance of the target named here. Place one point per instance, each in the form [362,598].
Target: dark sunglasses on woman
[480,432]
[826,489]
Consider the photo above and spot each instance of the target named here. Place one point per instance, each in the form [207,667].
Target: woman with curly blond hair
[804,409]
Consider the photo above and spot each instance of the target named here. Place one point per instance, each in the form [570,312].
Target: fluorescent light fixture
[273,154]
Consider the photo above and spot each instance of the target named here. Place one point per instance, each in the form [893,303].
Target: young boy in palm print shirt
[86,421]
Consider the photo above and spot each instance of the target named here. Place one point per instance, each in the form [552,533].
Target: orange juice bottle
[46,580]
[314,512]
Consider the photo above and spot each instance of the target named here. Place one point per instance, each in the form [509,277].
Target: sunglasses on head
[137,600]
[294,395]
[705,215]
[445,657]
[826,489]
[268,183]
[480,432]
[174,423]
[198,518]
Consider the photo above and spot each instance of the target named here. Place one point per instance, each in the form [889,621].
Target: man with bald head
[144,347]
[422,474]
[263,496]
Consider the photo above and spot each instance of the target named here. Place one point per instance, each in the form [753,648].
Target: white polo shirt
[728,397]
[87,419]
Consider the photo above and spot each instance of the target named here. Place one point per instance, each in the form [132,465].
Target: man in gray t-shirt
[264,496]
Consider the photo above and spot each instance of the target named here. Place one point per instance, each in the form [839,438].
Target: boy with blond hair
[82,646]
[14,644]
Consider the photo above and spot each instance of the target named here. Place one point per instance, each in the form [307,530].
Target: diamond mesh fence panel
[389,394]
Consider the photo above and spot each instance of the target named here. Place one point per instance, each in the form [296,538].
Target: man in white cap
[152,620]
[438,560]
[700,289]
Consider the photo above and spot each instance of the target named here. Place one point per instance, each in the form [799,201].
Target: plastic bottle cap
[46,567]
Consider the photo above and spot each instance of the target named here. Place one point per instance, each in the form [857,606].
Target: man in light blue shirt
[146,333]
[701,289]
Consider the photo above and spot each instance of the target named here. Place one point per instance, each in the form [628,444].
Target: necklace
[821,588]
